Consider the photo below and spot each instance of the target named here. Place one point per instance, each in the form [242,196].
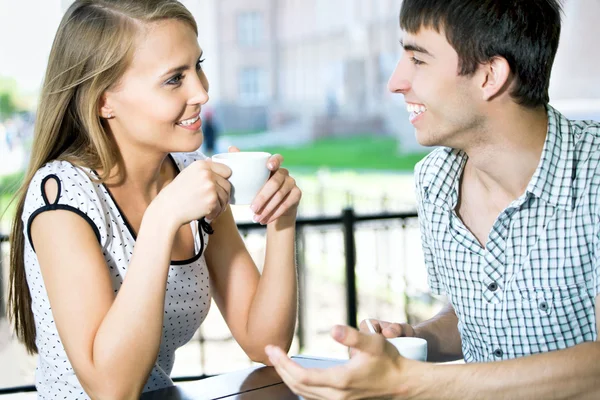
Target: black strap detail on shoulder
[52,207]
[206,226]
[43,188]
[200,252]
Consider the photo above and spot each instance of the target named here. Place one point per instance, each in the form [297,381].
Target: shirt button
[493,287]
[544,306]
[498,353]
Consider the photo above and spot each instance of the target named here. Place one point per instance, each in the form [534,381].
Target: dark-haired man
[509,208]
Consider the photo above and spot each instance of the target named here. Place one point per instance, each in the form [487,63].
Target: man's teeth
[190,121]
[416,108]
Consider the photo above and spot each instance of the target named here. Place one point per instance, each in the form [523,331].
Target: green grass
[362,152]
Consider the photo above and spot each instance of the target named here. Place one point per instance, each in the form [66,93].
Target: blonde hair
[92,49]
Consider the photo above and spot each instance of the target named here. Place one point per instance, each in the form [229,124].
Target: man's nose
[400,81]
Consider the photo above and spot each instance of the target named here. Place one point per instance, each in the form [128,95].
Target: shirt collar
[442,187]
[552,180]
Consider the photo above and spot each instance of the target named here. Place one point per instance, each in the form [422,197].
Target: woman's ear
[105,111]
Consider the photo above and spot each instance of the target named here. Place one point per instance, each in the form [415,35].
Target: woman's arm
[259,310]
[112,342]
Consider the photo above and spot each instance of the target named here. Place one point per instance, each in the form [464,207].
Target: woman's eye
[176,80]
[199,64]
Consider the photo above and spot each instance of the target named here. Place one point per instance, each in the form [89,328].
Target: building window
[252,84]
[250,28]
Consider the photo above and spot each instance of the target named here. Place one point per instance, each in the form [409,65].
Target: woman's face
[156,104]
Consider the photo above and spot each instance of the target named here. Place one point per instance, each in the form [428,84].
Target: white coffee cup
[249,173]
[410,347]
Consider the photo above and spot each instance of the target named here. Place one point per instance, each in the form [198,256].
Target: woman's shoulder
[72,180]
[61,185]
[63,170]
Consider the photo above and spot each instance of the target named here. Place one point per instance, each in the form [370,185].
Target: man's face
[444,107]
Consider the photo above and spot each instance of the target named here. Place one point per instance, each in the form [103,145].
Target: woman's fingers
[268,190]
[276,201]
[275,162]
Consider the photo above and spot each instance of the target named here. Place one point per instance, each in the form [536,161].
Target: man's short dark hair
[525,32]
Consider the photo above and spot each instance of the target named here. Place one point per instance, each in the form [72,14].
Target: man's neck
[504,161]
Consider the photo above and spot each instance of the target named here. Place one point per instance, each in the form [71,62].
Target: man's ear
[497,78]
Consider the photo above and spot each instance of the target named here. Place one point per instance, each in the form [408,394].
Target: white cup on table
[249,173]
[410,347]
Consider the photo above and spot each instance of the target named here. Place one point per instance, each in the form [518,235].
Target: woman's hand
[200,190]
[279,196]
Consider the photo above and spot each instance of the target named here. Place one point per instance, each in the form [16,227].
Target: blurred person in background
[509,212]
[123,231]
[210,131]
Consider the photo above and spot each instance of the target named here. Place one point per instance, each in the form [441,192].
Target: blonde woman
[111,265]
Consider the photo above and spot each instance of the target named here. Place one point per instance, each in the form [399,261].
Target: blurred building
[322,66]
[575,84]
[318,65]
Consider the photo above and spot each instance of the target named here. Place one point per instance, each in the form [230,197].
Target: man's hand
[377,370]
[388,329]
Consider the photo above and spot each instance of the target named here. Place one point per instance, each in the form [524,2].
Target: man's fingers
[304,378]
[369,343]
[364,326]
[393,330]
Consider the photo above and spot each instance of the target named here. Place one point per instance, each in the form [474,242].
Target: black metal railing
[348,221]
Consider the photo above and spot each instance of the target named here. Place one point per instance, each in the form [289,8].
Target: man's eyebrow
[180,69]
[415,48]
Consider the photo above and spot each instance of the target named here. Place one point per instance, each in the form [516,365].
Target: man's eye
[416,61]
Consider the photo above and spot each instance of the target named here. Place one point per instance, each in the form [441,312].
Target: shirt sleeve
[76,193]
[596,267]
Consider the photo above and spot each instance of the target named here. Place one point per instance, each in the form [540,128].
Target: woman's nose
[199,91]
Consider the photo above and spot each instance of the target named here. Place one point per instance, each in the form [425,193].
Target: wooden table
[257,383]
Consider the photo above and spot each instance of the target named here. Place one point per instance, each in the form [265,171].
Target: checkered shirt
[532,288]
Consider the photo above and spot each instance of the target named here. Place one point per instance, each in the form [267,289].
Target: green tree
[9,103]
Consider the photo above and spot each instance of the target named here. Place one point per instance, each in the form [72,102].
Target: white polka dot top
[187,299]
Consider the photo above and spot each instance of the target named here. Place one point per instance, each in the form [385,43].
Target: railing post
[350,250]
